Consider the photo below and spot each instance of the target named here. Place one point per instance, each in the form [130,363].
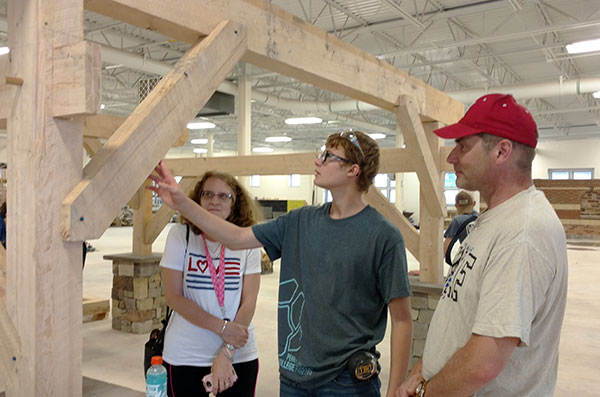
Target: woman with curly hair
[212,290]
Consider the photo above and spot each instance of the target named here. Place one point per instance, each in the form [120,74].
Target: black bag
[156,341]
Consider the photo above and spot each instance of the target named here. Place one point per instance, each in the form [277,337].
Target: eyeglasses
[325,154]
[351,136]
[207,194]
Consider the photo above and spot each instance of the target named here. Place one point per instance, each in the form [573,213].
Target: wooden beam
[416,141]
[392,160]
[147,134]
[76,79]
[165,213]
[104,125]
[282,42]
[392,214]
[298,163]
[44,278]
[101,125]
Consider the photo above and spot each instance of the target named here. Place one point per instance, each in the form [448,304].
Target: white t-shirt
[511,281]
[186,343]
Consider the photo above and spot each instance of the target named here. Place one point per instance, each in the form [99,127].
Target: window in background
[386,183]
[570,173]
[294,180]
[254,180]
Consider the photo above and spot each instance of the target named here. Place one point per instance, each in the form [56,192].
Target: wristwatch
[420,391]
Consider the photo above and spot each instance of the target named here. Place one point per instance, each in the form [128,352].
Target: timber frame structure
[49,97]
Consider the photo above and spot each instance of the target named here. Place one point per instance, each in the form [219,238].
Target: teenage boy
[343,266]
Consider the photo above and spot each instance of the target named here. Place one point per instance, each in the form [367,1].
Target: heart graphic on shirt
[202,265]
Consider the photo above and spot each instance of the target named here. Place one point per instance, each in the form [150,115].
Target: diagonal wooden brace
[414,136]
[392,214]
[132,152]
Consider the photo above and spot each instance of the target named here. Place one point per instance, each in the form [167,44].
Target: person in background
[212,290]
[462,223]
[496,328]
[343,266]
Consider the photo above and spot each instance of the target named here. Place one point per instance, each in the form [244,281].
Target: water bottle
[156,379]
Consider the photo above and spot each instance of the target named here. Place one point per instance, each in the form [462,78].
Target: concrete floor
[116,357]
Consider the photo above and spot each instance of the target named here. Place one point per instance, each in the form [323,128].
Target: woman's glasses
[207,194]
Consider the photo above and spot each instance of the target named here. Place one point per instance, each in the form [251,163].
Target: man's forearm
[472,367]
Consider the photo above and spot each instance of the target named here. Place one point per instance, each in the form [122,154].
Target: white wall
[276,187]
[583,153]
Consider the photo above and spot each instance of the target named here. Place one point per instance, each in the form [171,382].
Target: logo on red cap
[495,114]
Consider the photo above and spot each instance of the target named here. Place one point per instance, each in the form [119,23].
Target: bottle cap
[156,360]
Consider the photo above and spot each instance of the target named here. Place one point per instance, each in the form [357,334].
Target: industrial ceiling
[462,47]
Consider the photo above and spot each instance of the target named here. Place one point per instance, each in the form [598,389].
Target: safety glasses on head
[351,136]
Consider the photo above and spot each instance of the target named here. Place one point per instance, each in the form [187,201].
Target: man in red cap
[496,329]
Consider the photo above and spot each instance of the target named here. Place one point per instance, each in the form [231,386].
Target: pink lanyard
[218,282]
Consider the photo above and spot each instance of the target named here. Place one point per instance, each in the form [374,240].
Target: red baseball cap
[495,114]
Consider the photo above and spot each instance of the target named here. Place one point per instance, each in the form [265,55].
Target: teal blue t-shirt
[336,278]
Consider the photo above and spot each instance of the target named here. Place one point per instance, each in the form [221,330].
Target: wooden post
[244,111]
[142,216]
[44,288]
[431,225]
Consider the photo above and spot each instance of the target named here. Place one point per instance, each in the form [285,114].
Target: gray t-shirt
[336,278]
[510,281]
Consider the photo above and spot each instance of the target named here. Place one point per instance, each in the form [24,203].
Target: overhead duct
[526,91]
[120,57]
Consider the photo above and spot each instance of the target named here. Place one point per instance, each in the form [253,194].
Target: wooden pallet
[95,309]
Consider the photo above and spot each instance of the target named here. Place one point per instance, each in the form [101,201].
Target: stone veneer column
[423,303]
[138,297]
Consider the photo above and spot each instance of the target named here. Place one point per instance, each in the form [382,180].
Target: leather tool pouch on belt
[363,365]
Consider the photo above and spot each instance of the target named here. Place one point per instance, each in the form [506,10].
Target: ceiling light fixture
[377,135]
[303,120]
[202,125]
[199,141]
[200,150]
[583,46]
[278,139]
[4,50]
[262,150]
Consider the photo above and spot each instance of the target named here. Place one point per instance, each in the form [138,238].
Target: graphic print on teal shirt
[291,306]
